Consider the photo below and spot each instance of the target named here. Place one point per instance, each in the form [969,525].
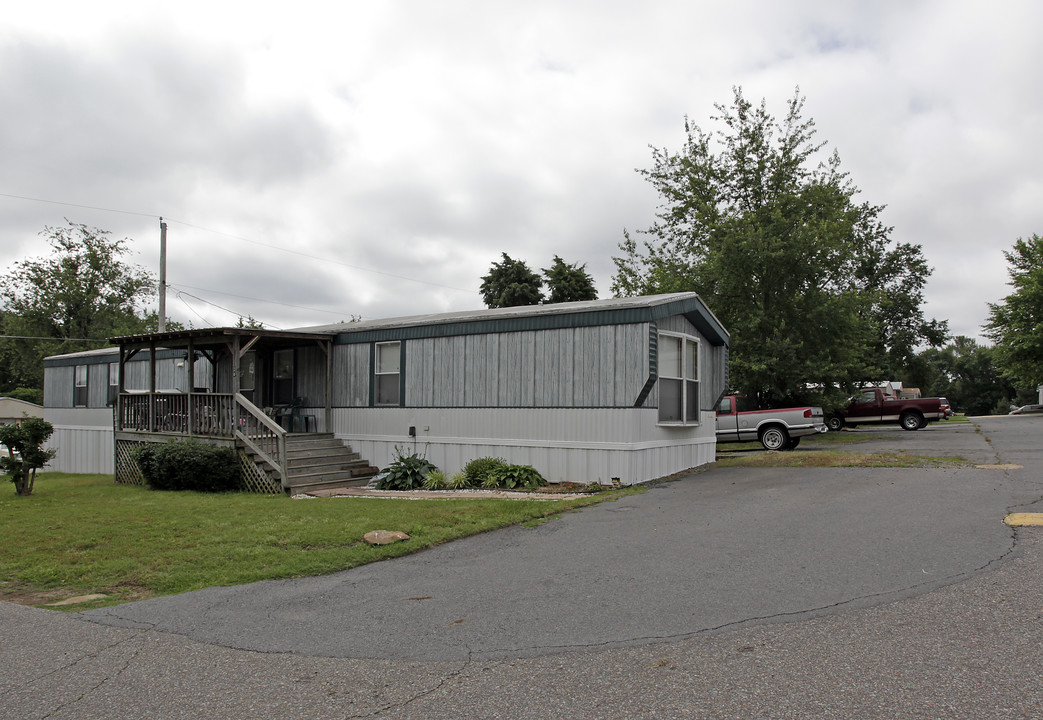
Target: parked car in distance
[946,408]
[781,429]
[872,407]
[1027,410]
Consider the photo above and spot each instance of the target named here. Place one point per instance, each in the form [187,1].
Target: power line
[233,312]
[244,239]
[255,299]
[56,339]
[85,207]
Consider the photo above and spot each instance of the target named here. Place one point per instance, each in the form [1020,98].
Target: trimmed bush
[516,477]
[478,470]
[188,465]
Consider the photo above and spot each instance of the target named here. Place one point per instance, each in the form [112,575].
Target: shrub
[23,442]
[188,465]
[435,480]
[479,469]
[514,477]
[407,472]
[458,481]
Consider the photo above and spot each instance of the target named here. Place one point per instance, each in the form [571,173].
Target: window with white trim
[114,382]
[79,393]
[678,363]
[387,372]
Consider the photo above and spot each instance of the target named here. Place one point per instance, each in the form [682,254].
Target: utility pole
[162,276]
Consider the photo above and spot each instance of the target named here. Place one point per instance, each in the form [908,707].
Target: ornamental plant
[406,472]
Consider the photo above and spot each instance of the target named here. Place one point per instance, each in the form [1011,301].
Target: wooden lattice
[251,477]
[254,479]
[127,471]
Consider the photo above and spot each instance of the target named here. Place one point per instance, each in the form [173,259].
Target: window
[387,372]
[114,382]
[79,393]
[678,379]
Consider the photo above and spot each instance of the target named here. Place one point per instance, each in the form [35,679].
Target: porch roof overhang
[219,336]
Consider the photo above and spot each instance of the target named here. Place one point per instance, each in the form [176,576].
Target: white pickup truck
[775,429]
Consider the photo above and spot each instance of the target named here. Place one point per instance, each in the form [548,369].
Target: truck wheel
[909,421]
[792,443]
[834,422]
[774,438]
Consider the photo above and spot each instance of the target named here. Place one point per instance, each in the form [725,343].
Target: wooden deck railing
[261,434]
[207,414]
[215,415]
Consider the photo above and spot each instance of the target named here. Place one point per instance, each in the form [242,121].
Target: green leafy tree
[83,291]
[806,280]
[511,283]
[22,452]
[963,372]
[569,283]
[1016,323]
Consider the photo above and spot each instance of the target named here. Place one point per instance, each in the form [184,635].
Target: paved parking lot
[732,593]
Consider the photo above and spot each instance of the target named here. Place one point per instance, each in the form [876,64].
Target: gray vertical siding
[602,366]
[97,385]
[58,381]
[350,375]
[57,384]
[311,376]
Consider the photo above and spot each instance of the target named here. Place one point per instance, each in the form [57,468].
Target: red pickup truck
[872,407]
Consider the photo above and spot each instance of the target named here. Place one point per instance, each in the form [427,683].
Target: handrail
[261,434]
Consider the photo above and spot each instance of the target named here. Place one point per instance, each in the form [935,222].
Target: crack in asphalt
[86,657]
[899,593]
[420,695]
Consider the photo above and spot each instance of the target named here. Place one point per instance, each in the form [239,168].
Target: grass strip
[836,458]
[81,534]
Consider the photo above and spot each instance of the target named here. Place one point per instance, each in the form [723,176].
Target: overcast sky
[318,161]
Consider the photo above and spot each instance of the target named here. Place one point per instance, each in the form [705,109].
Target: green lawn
[81,534]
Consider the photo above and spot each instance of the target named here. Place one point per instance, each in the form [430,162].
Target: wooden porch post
[191,385]
[327,347]
[152,386]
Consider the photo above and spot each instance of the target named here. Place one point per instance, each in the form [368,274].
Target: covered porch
[250,388]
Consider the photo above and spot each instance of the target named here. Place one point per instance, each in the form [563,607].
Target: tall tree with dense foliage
[1016,323]
[806,280]
[569,283]
[511,283]
[83,291]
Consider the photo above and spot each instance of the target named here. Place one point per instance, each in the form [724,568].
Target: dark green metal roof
[615,311]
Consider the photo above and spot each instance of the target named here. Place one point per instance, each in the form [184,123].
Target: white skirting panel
[577,445]
[81,450]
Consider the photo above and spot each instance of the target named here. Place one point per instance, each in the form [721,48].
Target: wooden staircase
[319,461]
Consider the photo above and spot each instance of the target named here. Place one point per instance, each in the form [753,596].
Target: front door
[282,377]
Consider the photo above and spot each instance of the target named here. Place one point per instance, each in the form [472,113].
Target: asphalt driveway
[724,548]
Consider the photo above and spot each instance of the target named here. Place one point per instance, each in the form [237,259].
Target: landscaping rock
[384,537]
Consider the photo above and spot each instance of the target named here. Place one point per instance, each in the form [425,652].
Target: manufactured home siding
[350,375]
[571,367]
[57,382]
[311,376]
[97,385]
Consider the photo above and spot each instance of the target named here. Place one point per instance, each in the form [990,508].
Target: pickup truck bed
[775,429]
